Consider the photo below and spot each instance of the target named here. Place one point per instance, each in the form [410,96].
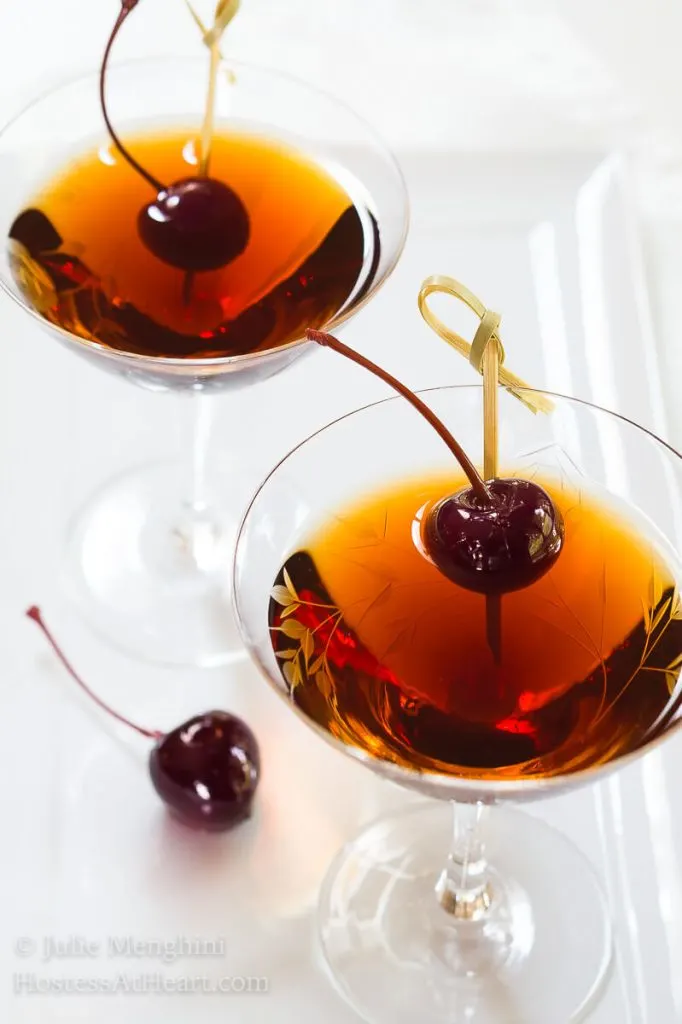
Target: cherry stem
[35,614]
[128,6]
[475,479]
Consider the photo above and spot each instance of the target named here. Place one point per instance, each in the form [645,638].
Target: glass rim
[244,359]
[477,790]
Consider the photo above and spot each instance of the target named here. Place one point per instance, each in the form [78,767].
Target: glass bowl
[148,556]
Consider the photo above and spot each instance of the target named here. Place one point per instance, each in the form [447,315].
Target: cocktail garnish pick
[206,34]
[224,13]
[486,355]
[438,283]
[486,344]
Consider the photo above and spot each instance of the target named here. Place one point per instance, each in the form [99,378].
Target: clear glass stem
[201,437]
[463,889]
[200,529]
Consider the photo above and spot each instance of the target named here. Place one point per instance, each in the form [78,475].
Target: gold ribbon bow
[486,334]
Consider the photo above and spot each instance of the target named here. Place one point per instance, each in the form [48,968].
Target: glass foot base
[151,574]
[538,956]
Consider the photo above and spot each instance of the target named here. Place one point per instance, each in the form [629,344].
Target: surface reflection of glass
[148,555]
[389,661]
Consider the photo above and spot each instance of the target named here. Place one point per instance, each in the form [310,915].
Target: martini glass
[148,558]
[486,914]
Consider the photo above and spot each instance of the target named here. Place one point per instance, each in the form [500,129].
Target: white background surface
[504,116]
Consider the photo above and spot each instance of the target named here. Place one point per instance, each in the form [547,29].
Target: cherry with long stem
[195,224]
[206,771]
[492,537]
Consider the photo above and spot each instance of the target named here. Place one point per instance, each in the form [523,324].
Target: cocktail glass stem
[200,531]
[203,413]
[154,548]
[463,889]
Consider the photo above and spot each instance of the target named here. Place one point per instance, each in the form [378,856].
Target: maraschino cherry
[206,771]
[196,224]
[494,546]
[493,536]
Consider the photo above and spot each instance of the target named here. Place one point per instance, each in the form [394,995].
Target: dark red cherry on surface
[496,546]
[196,224]
[207,771]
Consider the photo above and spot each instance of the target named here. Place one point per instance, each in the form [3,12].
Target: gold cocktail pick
[485,335]
[224,13]
[486,355]
[486,339]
